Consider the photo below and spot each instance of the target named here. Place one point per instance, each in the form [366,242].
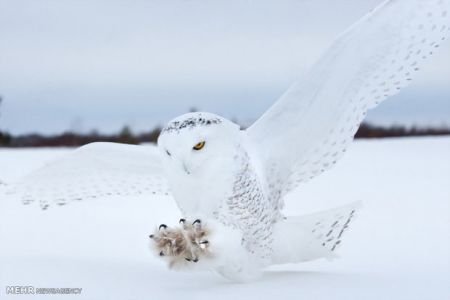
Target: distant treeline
[367,131]
[70,139]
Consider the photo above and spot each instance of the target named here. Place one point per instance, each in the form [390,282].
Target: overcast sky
[80,65]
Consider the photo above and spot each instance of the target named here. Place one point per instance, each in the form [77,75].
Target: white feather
[92,171]
[311,126]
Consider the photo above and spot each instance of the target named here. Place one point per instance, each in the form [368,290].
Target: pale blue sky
[80,65]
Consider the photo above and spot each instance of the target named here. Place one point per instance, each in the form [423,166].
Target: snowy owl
[230,184]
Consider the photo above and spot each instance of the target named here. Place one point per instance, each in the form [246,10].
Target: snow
[398,248]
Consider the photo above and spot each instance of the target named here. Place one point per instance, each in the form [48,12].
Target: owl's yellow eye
[199,146]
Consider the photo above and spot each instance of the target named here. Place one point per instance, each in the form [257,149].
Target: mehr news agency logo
[31,290]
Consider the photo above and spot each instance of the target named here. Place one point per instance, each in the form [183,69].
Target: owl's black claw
[197,222]
[195,260]
[204,242]
[182,221]
[161,253]
[151,236]
[162,226]
[188,259]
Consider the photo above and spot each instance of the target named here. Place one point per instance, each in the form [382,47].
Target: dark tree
[126,136]
[5,138]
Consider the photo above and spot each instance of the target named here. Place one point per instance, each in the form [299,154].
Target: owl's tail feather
[314,236]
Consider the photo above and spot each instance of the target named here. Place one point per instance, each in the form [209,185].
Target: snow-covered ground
[398,248]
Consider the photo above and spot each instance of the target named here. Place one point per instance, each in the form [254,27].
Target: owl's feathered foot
[185,244]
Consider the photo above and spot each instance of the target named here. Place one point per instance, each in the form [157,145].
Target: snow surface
[398,248]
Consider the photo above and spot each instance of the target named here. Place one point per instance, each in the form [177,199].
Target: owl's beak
[185,168]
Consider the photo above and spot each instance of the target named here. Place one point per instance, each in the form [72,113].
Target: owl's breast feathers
[234,194]
[248,208]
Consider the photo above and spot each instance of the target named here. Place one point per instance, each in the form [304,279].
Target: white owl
[230,184]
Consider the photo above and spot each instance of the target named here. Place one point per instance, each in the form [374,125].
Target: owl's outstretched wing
[92,171]
[311,125]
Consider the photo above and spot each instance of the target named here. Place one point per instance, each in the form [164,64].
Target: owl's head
[197,142]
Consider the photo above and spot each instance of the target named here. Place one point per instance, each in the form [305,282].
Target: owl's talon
[186,243]
[197,225]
